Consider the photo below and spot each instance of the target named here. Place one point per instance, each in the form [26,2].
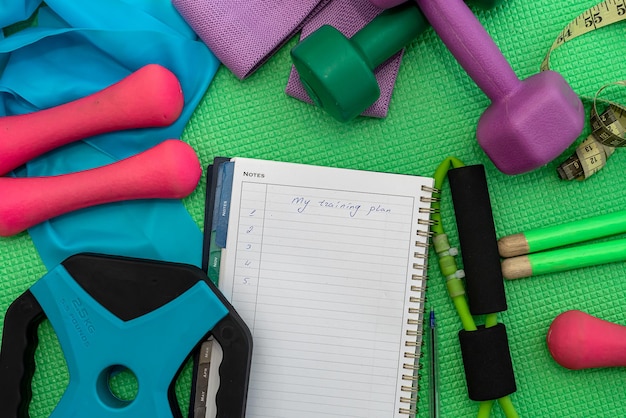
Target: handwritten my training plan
[321,264]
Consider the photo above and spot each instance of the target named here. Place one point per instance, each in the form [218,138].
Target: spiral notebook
[327,267]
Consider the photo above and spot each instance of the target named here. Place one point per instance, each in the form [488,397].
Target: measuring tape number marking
[607,126]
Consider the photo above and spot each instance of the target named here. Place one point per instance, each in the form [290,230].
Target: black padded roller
[487,363]
[477,237]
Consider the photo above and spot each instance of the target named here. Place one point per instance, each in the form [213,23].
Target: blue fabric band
[72,51]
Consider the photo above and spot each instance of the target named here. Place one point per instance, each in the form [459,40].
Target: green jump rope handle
[338,73]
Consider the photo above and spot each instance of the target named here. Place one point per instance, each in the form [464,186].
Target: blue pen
[434,393]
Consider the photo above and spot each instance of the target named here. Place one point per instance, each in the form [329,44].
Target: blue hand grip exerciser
[112,313]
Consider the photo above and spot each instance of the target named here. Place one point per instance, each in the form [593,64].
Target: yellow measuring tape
[607,126]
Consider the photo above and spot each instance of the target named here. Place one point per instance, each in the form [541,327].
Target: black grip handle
[477,236]
[17,355]
[487,363]
[236,341]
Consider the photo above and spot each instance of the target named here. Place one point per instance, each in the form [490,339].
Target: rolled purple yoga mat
[244,34]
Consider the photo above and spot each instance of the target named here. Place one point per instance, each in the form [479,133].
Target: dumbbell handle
[388,33]
[149,97]
[168,170]
[577,340]
[471,45]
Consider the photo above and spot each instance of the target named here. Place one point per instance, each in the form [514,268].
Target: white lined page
[319,264]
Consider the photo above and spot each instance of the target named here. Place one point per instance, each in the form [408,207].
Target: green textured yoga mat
[433,114]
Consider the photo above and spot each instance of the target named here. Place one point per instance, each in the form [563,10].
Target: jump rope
[484,348]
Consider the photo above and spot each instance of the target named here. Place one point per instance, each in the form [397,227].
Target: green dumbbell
[484,4]
[337,72]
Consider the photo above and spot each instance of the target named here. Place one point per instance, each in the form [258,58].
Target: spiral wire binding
[417,318]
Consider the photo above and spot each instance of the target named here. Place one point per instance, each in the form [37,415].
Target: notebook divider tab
[225,185]
[207,359]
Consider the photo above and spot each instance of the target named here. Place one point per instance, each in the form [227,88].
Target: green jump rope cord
[454,283]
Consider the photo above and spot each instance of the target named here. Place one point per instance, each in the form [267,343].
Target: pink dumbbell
[577,340]
[149,97]
[170,170]
[529,122]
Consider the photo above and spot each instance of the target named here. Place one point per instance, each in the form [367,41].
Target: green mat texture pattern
[433,114]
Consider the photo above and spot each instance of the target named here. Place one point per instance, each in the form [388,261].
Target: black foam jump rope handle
[477,237]
[487,362]
[17,361]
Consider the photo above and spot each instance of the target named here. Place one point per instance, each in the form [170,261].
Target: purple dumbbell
[529,122]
